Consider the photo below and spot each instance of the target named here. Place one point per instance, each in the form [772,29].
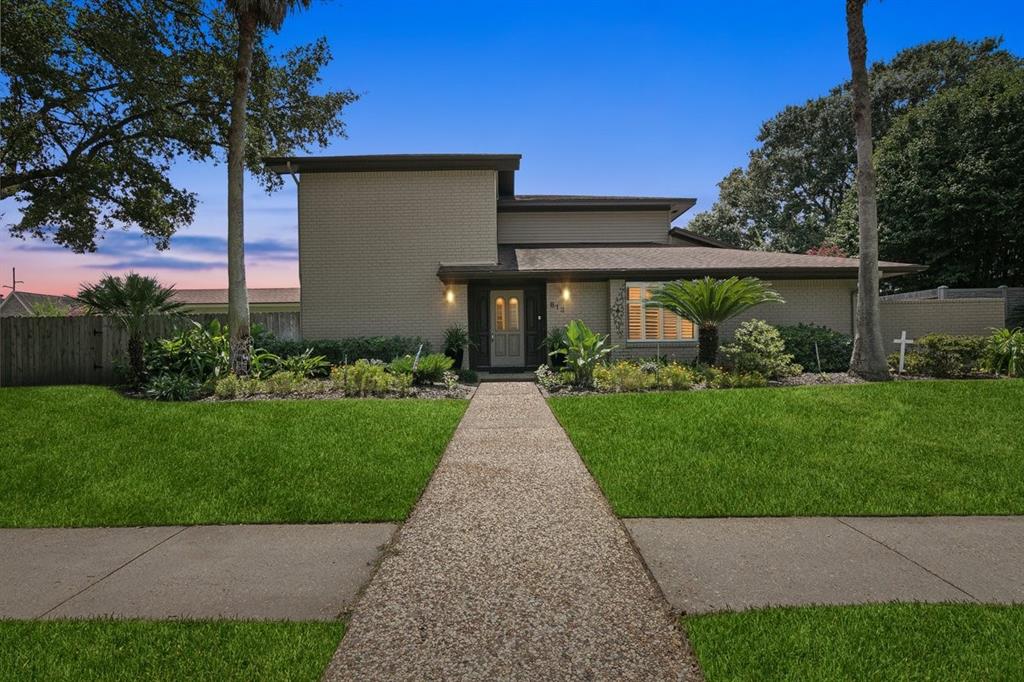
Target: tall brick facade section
[370,244]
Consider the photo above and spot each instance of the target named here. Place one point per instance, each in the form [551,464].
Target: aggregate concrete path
[279,572]
[511,566]
[707,565]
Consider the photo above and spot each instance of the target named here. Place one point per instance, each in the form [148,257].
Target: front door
[507,328]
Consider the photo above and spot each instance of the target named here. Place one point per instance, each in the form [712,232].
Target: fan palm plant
[709,302]
[252,16]
[129,300]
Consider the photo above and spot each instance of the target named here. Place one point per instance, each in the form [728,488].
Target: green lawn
[85,456]
[906,448]
[170,650]
[877,642]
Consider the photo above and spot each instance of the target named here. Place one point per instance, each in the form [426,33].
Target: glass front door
[507,328]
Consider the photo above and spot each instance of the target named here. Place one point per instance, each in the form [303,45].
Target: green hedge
[383,348]
[834,348]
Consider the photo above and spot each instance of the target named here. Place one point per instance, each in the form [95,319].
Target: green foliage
[551,380]
[1004,352]
[263,364]
[401,365]
[129,300]
[306,365]
[790,195]
[758,347]
[951,185]
[468,376]
[431,368]
[583,350]
[674,377]
[339,352]
[172,387]
[738,380]
[623,375]
[455,339]
[102,97]
[709,302]
[50,309]
[834,348]
[943,355]
[366,378]
[196,352]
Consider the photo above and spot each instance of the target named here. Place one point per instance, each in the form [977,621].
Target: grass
[907,448]
[876,642]
[170,650]
[85,456]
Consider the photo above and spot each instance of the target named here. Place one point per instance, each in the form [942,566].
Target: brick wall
[588,301]
[370,245]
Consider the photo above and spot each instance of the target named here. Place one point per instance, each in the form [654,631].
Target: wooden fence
[40,351]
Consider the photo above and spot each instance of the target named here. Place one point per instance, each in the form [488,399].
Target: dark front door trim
[534,323]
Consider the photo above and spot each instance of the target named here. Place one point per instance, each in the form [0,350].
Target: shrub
[468,376]
[262,364]
[583,351]
[172,387]
[834,348]
[363,378]
[197,352]
[945,355]
[401,365]
[450,381]
[550,380]
[232,386]
[431,368]
[758,347]
[456,338]
[306,365]
[674,377]
[738,380]
[383,348]
[622,376]
[1004,352]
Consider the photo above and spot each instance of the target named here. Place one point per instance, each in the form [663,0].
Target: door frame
[509,360]
[534,312]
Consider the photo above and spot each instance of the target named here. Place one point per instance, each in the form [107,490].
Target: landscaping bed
[892,449]
[873,642]
[166,650]
[87,456]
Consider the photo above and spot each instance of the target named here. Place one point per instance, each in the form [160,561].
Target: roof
[21,302]
[220,296]
[581,202]
[602,262]
[694,238]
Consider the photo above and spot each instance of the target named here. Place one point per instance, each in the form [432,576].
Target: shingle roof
[673,261]
[220,296]
[580,202]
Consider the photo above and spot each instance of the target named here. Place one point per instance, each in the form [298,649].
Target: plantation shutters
[653,324]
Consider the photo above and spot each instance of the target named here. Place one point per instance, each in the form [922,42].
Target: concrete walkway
[263,572]
[732,564]
[512,566]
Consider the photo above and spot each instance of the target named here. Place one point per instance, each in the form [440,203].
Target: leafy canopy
[709,302]
[129,299]
[100,98]
[791,193]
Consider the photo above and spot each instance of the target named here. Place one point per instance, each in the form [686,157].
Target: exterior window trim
[644,286]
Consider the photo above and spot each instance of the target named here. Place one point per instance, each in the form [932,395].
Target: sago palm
[129,301]
[709,302]
[251,15]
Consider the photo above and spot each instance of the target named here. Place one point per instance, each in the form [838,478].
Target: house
[261,300]
[413,244]
[29,304]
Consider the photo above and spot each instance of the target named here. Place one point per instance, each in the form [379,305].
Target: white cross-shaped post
[904,342]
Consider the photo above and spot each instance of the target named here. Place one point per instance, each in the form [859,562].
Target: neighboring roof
[694,238]
[505,164]
[220,296]
[602,262]
[22,302]
[577,202]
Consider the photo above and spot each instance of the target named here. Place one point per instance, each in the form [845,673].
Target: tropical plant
[129,300]
[583,350]
[402,365]
[551,380]
[306,365]
[431,368]
[868,360]
[456,338]
[817,348]
[758,347]
[1005,352]
[197,352]
[709,302]
[263,364]
[171,387]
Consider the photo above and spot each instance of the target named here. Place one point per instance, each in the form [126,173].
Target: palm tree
[129,301]
[251,15]
[709,302]
[868,359]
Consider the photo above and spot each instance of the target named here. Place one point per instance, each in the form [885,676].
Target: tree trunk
[136,359]
[238,295]
[868,360]
[707,344]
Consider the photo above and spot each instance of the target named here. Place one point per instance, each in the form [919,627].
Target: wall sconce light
[566,295]
[449,295]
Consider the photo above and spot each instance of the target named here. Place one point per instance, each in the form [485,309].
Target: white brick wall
[370,245]
[588,301]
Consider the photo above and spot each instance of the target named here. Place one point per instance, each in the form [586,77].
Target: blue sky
[627,97]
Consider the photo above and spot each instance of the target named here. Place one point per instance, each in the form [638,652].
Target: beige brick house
[413,244]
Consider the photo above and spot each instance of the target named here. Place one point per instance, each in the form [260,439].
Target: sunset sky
[657,98]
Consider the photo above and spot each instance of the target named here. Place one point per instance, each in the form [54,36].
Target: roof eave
[391,162]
